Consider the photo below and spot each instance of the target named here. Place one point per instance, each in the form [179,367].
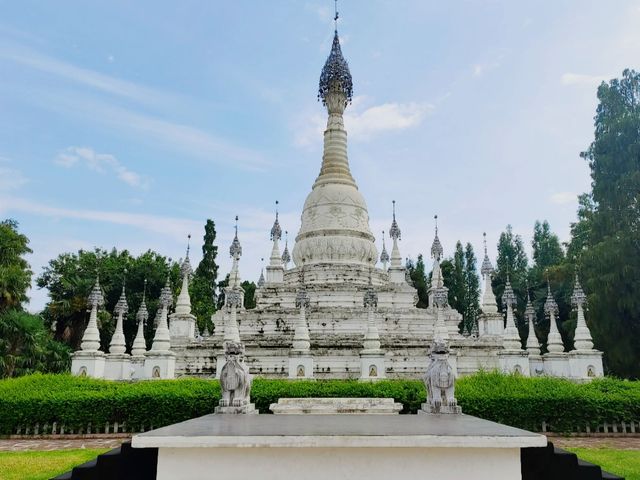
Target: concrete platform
[343,430]
[349,446]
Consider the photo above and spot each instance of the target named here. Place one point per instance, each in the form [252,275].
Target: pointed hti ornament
[384,256]
[286,257]
[436,248]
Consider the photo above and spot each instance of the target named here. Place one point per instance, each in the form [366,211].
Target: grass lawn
[625,463]
[42,465]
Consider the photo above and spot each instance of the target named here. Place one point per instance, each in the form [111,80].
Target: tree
[418,277]
[456,281]
[26,346]
[512,260]
[15,274]
[249,294]
[203,285]
[606,239]
[70,277]
[549,263]
[472,288]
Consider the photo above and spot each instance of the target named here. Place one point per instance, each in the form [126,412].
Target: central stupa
[335,221]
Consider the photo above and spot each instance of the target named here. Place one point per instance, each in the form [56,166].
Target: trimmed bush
[514,400]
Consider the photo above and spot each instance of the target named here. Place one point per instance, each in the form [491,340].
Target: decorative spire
[511,335]
[261,280]
[550,305]
[578,297]
[436,248]
[489,304]
[91,336]
[335,76]
[236,249]
[185,268]
[394,231]
[117,344]
[554,340]
[509,297]
[582,337]
[139,346]
[122,307]
[384,256]
[166,296]
[143,314]
[487,268]
[286,257]
[276,231]
[96,297]
[533,346]
[529,310]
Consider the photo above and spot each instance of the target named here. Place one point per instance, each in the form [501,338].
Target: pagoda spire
[335,90]
[509,301]
[489,304]
[275,270]
[118,344]
[334,228]
[162,339]
[395,235]
[384,256]
[533,345]
[582,337]
[554,340]
[261,279]
[139,346]
[437,281]
[235,251]
[91,336]
[276,235]
[286,257]
[183,303]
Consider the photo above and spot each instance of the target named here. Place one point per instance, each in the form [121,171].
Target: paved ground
[16,445]
[59,444]
[619,443]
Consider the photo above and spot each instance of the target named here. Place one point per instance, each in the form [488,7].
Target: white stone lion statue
[235,379]
[439,380]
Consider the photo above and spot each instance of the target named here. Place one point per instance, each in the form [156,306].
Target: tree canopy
[70,277]
[15,273]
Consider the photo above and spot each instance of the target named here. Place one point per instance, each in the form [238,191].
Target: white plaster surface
[338,463]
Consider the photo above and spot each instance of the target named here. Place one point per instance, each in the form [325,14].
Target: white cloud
[385,117]
[183,138]
[563,198]
[362,123]
[581,79]
[100,162]
[30,58]
[176,228]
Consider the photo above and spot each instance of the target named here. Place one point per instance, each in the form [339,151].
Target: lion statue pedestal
[235,382]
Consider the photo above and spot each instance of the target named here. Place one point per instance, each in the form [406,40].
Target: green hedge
[513,400]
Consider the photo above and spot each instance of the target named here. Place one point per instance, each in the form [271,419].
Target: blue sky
[128,124]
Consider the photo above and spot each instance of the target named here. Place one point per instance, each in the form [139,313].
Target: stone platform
[338,446]
[330,406]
